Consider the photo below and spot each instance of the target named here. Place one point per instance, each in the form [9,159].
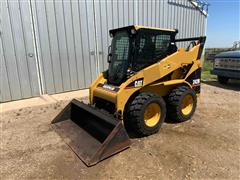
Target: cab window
[150,48]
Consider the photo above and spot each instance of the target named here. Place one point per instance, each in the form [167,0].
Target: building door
[18,60]
[66,44]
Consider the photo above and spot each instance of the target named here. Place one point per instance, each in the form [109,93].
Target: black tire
[222,80]
[174,104]
[136,110]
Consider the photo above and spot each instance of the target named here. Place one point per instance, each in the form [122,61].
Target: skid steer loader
[148,79]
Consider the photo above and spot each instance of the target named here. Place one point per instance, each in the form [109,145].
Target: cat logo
[138,83]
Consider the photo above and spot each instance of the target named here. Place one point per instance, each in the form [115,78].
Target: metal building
[49,46]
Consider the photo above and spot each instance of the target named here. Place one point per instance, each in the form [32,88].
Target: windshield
[119,60]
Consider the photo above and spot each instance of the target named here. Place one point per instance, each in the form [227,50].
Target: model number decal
[106,86]
[196,82]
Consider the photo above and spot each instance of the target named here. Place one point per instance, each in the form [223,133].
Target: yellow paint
[92,88]
[177,74]
[137,27]
[152,114]
[105,94]
[152,77]
[195,66]
[159,89]
[175,82]
[187,105]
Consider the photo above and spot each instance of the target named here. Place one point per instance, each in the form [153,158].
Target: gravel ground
[206,147]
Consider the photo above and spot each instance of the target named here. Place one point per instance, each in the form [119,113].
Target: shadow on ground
[132,135]
[231,85]
[170,121]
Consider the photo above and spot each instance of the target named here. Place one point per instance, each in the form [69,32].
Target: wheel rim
[187,104]
[152,114]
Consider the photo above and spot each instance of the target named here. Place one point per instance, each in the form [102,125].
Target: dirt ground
[206,147]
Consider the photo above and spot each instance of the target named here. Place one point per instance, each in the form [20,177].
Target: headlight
[217,62]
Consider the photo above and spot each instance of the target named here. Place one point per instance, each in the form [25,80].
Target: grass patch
[207,67]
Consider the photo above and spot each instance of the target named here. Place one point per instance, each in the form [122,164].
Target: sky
[223,26]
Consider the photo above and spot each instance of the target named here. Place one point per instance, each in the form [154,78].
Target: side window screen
[162,45]
[146,48]
[152,47]
[121,47]
[120,55]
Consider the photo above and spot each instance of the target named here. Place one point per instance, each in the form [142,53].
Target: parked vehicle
[227,66]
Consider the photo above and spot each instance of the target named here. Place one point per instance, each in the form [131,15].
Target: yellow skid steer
[148,79]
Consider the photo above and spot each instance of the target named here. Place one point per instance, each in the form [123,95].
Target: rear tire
[145,114]
[222,80]
[181,104]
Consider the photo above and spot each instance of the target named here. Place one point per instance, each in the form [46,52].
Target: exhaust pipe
[90,133]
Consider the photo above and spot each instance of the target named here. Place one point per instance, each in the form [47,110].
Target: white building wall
[56,46]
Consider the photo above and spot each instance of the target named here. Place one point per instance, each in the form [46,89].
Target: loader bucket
[90,133]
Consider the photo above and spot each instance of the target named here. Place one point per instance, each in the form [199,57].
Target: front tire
[146,113]
[181,104]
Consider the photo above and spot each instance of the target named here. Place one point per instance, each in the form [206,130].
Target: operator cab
[135,47]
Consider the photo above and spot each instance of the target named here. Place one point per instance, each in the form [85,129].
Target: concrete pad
[71,95]
[42,100]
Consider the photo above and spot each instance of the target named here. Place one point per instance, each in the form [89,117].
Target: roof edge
[137,27]
[201,5]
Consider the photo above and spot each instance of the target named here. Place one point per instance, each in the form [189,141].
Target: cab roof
[137,27]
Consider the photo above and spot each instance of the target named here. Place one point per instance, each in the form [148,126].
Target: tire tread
[173,103]
[134,113]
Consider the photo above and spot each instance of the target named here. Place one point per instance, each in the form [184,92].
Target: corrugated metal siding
[71,39]
[171,14]
[19,77]
[110,15]
[65,30]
